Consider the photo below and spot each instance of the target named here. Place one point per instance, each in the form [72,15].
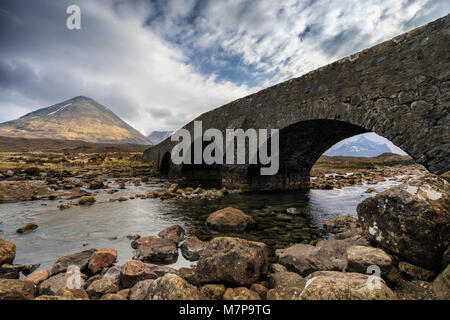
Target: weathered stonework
[397,89]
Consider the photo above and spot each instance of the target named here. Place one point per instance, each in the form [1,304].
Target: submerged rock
[230,219]
[232,261]
[411,220]
[340,224]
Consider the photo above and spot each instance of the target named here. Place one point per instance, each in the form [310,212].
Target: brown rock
[15,289]
[412,272]
[284,293]
[31,226]
[340,224]
[233,261]
[112,296]
[175,233]
[359,258]
[441,285]
[140,290]
[192,248]
[173,287]
[38,276]
[101,287]
[213,291]
[79,259]
[286,279]
[52,285]
[153,249]
[230,219]
[101,259]
[72,294]
[86,200]
[7,251]
[260,290]
[240,293]
[135,271]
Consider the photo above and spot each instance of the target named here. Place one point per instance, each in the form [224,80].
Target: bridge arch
[398,89]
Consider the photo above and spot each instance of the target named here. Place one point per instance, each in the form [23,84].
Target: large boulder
[441,285]
[192,248]
[329,254]
[175,233]
[101,259]
[230,220]
[173,287]
[7,251]
[411,221]
[359,258]
[332,285]
[154,249]
[232,261]
[15,289]
[79,259]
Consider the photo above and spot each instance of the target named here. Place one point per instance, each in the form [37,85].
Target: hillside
[79,118]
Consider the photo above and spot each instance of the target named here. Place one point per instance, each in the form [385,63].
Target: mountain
[158,136]
[79,118]
[360,147]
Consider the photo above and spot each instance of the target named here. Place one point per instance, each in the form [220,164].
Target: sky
[158,64]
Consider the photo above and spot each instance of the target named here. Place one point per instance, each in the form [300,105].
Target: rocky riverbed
[402,233]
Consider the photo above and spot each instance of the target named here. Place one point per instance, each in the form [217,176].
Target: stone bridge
[398,89]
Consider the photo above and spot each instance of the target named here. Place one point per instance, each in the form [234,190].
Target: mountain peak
[79,118]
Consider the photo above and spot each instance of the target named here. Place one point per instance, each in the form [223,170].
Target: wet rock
[340,224]
[371,190]
[101,287]
[175,233]
[230,219]
[260,290]
[284,293]
[64,206]
[96,184]
[15,289]
[286,279]
[38,276]
[134,271]
[53,284]
[192,248]
[153,249]
[332,285]
[292,211]
[240,293]
[31,226]
[86,200]
[79,259]
[213,291]
[329,254]
[441,285]
[411,221]
[7,251]
[112,296]
[12,271]
[232,261]
[72,294]
[412,272]
[140,290]
[173,287]
[359,258]
[101,259]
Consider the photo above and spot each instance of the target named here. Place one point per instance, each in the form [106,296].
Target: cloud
[158,64]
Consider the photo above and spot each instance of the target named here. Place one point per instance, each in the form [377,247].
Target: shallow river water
[107,224]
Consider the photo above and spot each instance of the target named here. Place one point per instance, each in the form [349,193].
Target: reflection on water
[107,224]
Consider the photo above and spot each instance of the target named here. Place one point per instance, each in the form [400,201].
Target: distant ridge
[158,136]
[80,118]
[361,147]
